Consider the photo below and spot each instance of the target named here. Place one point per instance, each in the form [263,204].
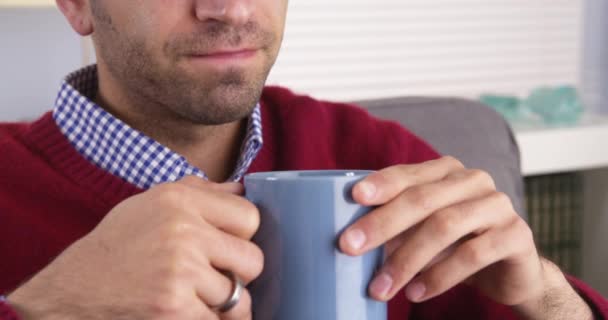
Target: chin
[220,110]
[215,100]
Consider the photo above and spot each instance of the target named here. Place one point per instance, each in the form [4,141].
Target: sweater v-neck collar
[45,138]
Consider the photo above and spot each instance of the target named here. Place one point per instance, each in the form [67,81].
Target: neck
[213,149]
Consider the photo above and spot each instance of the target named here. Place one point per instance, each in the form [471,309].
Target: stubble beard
[207,99]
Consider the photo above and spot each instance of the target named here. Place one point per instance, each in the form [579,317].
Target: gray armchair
[465,129]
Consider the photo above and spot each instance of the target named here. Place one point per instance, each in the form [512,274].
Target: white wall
[37,49]
[358,49]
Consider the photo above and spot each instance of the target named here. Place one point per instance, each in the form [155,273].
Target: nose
[234,12]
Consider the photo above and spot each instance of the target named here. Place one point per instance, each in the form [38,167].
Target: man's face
[204,60]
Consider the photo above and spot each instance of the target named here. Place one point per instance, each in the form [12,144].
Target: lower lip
[226,57]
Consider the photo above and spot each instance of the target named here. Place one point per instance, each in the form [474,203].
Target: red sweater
[50,196]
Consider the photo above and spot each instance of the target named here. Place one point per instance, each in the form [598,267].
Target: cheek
[151,32]
[272,16]
[272,11]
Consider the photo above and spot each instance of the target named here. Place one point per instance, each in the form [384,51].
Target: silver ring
[235,296]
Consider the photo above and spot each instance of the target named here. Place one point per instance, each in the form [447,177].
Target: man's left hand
[443,224]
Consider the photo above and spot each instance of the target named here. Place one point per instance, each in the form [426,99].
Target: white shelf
[547,149]
[27,3]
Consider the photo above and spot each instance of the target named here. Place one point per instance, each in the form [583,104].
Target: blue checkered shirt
[126,152]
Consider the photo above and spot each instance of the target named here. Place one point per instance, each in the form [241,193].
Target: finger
[467,260]
[231,213]
[197,182]
[436,238]
[227,252]
[204,311]
[215,288]
[384,185]
[411,207]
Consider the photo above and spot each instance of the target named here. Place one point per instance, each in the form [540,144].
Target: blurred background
[351,50]
[362,49]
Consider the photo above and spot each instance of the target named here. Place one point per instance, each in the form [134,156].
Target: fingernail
[368,189]
[355,239]
[415,291]
[381,285]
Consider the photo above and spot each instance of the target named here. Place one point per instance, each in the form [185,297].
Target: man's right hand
[157,255]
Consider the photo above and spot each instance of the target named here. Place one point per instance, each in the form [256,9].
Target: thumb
[232,187]
[200,183]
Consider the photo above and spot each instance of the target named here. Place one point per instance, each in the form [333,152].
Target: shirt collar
[115,147]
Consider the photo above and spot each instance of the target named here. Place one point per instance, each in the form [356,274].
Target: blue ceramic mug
[305,275]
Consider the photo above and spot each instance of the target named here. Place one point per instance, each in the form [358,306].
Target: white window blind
[595,66]
[358,49]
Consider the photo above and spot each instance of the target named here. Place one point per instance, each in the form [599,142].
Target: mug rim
[308,174]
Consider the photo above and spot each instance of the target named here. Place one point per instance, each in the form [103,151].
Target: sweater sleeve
[596,301]
[6,311]
[405,147]
[465,302]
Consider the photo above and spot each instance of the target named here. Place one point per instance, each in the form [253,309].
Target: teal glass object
[559,105]
[507,106]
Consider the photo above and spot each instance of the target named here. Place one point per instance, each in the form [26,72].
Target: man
[106,212]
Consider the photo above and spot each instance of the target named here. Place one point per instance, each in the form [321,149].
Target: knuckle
[246,258]
[165,303]
[376,221]
[403,169]
[250,259]
[176,253]
[446,223]
[420,198]
[400,267]
[435,282]
[257,261]
[173,269]
[473,254]
[192,180]
[503,201]
[176,233]
[482,176]
[465,209]
[253,258]
[413,174]
[453,162]
[170,194]
[251,218]
[384,178]
[179,229]
[523,229]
